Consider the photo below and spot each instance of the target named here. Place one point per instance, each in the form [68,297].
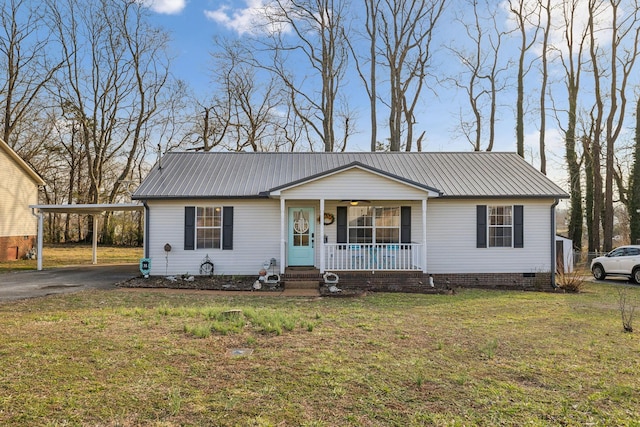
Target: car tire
[635,275]
[598,272]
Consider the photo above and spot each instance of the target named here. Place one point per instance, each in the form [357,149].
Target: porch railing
[394,257]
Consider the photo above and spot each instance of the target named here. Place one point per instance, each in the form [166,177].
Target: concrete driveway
[30,284]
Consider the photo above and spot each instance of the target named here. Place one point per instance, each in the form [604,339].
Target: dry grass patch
[474,358]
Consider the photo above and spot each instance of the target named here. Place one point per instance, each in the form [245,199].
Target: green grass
[473,358]
[76,254]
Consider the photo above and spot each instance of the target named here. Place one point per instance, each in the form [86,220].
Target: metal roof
[238,175]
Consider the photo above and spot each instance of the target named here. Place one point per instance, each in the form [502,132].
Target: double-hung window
[500,226]
[373,224]
[208,227]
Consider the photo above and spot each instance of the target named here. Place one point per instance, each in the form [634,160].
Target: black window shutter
[405,224]
[518,226]
[189,228]
[481,226]
[341,226]
[227,227]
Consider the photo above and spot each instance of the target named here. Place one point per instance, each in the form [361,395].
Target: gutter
[553,244]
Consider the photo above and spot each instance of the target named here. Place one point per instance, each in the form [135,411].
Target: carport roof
[89,209]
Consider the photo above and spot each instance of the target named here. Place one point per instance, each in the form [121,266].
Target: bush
[570,282]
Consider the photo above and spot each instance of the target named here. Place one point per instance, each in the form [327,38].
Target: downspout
[553,244]
[145,238]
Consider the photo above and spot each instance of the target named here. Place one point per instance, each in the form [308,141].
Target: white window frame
[374,227]
[506,223]
[201,243]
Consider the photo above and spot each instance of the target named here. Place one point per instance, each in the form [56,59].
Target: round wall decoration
[328,218]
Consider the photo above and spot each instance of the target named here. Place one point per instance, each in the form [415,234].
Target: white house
[465,218]
[18,189]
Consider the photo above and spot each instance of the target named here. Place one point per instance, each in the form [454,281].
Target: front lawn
[167,359]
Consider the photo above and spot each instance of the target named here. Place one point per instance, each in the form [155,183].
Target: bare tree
[406,31]
[634,181]
[369,79]
[313,31]
[110,85]
[27,64]
[526,18]
[625,36]
[571,57]
[545,8]
[481,78]
[252,98]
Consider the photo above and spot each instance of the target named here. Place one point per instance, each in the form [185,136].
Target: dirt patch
[217,283]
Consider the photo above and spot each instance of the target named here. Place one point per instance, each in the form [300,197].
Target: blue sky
[194,23]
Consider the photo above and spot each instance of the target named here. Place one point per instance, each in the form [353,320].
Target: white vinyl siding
[355,184]
[256,237]
[451,239]
[17,192]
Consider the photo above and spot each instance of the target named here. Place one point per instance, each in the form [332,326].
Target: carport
[86,209]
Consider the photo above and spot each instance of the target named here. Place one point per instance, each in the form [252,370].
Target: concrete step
[301,293]
[301,284]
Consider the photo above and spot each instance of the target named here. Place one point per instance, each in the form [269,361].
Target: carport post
[40,239]
[94,260]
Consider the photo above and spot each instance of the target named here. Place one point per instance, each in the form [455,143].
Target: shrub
[570,282]
[627,309]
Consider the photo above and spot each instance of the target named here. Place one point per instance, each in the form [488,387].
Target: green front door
[301,236]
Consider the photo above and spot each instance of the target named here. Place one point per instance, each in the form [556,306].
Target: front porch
[381,235]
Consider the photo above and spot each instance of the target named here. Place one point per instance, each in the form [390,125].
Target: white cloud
[561,10]
[168,7]
[256,18]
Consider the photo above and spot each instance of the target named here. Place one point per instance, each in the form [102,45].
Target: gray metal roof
[235,175]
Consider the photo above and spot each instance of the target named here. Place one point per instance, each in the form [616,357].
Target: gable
[9,159]
[355,183]
[17,191]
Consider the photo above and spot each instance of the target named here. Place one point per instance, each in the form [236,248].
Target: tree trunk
[634,183]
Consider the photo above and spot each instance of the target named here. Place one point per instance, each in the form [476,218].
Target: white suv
[622,261]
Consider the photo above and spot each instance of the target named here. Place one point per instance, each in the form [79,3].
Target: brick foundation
[355,282]
[15,247]
[515,281]
[417,282]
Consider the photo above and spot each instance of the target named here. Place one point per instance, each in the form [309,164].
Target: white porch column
[321,237]
[424,235]
[283,219]
[94,259]
[40,239]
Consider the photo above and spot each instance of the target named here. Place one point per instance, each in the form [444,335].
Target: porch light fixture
[356,202]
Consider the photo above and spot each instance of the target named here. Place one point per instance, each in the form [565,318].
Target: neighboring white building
[463,217]
[564,255]
[18,189]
